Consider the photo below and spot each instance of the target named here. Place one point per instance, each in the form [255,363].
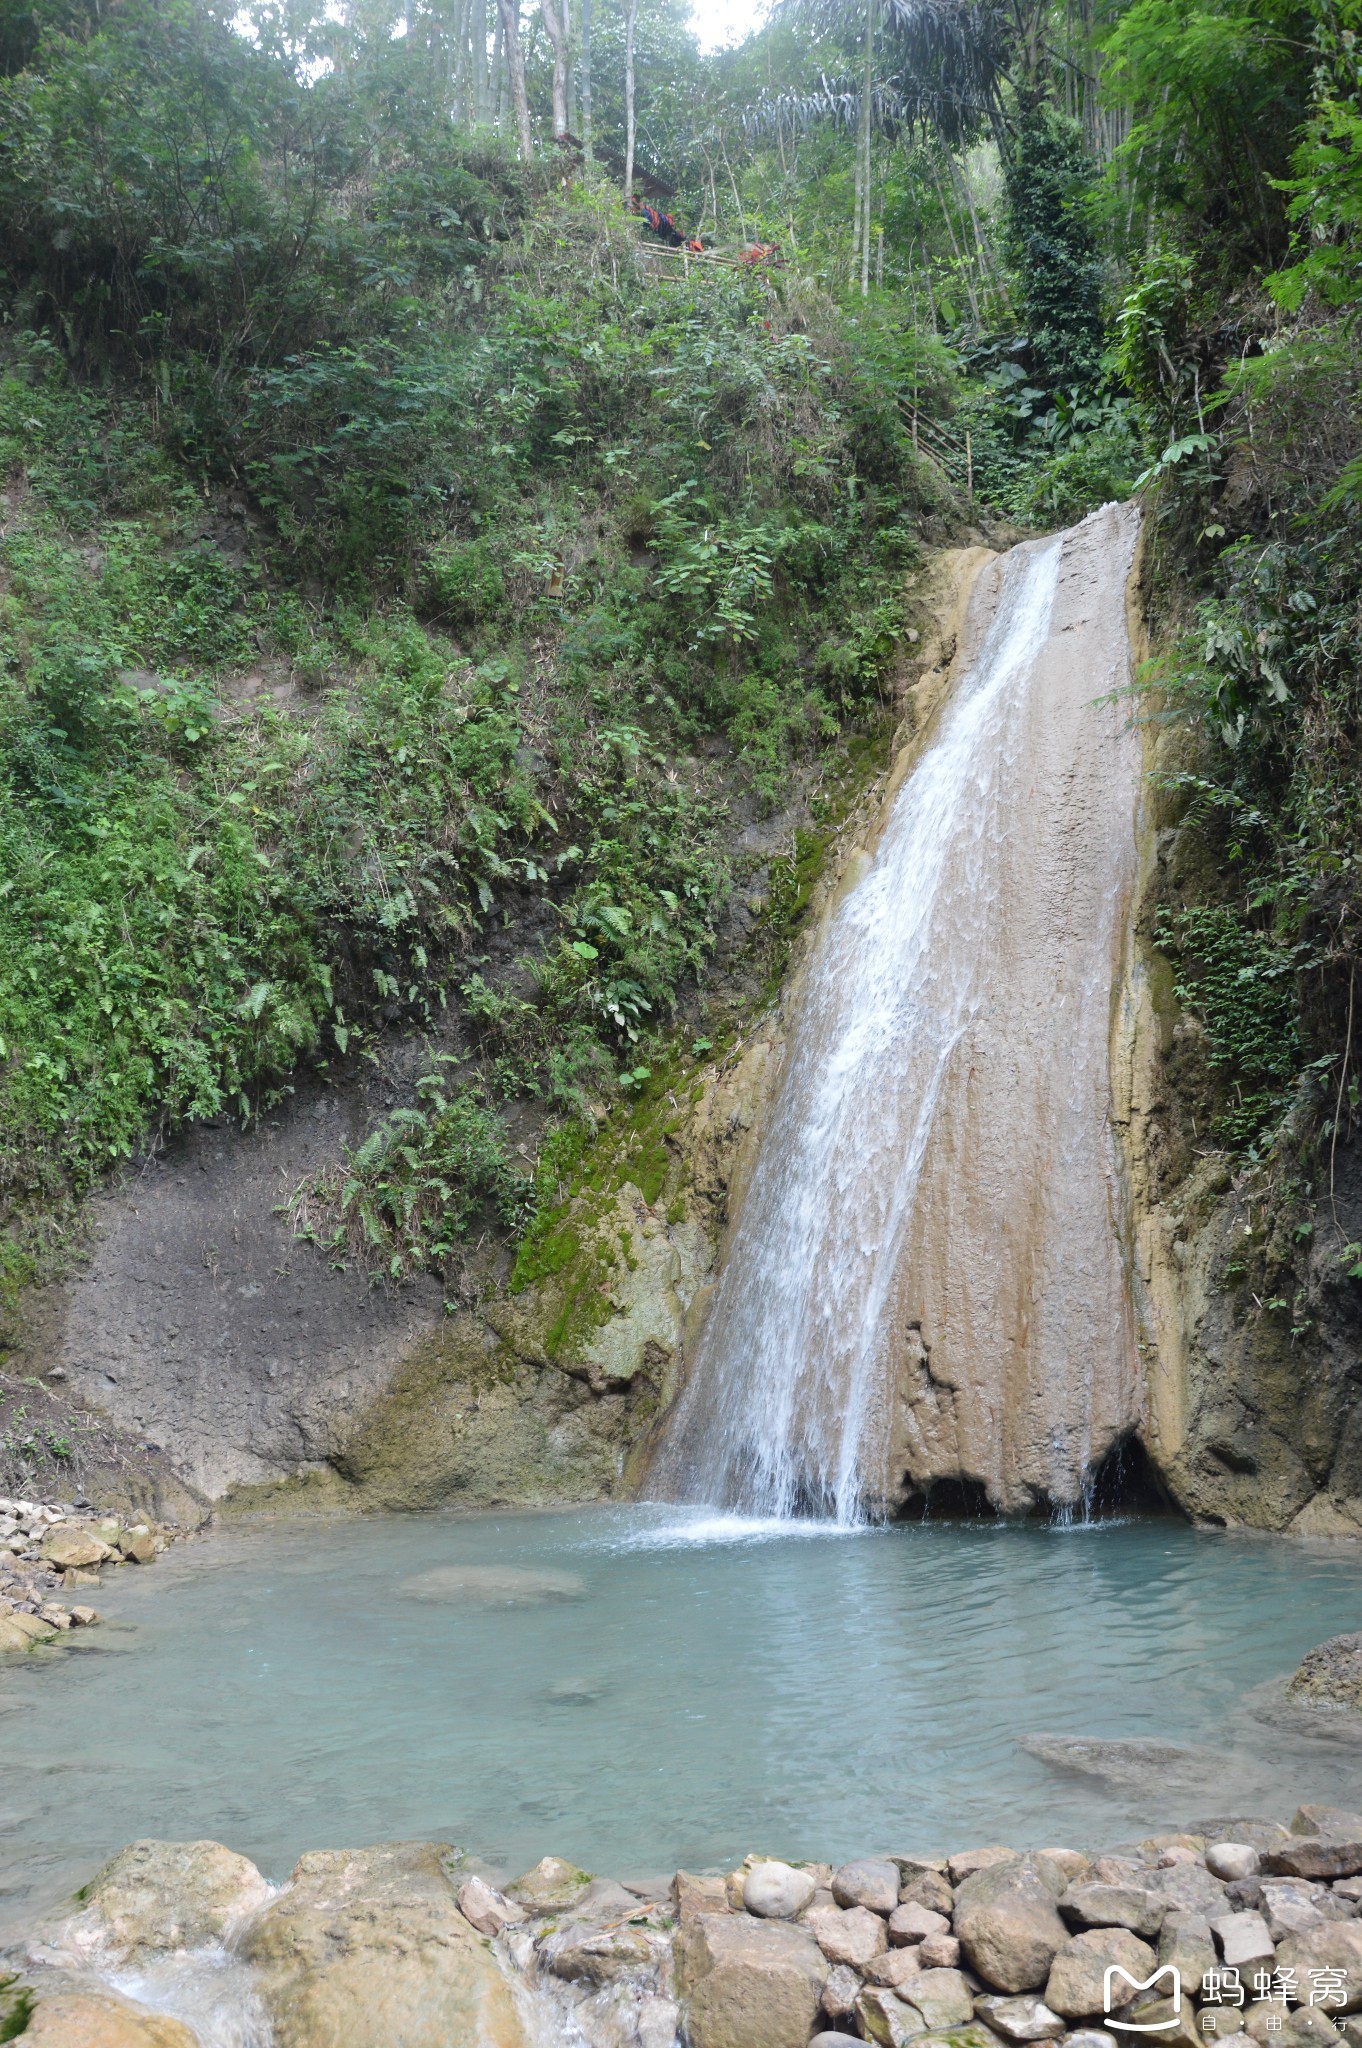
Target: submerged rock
[748,1983]
[490,1585]
[366,1948]
[21,1631]
[155,1896]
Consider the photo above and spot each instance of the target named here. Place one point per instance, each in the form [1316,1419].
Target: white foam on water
[703,1531]
[209,1989]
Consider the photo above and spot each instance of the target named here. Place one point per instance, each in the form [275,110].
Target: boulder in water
[97,2019]
[1008,1924]
[748,1983]
[156,1896]
[490,1585]
[1330,1675]
[366,1948]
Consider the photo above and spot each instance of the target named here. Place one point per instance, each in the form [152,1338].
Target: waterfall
[925,1279]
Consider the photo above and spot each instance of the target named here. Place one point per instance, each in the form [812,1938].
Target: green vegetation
[414,578]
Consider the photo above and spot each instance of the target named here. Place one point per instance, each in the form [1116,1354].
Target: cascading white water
[925,1275]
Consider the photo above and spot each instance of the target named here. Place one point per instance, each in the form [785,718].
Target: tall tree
[630,127]
[513,55]
[586,79]
[558,24]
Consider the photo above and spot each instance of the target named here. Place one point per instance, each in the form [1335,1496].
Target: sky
[717,22]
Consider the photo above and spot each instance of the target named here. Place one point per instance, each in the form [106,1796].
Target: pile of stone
[51,1547]
[1183,1937]
[1247,1931]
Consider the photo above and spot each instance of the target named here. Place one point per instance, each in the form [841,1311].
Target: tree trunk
[509,14]
[555,13]
[630,130]
[586,79]
[864,179]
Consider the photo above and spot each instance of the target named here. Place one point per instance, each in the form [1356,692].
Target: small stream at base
[645,1688]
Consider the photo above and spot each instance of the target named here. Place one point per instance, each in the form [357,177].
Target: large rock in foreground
[748,1983]
[100,2019]
[366,1948]
[1008,1923]
[168,1895]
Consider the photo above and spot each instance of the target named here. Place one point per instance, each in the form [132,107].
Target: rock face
[155,1896]
[200,1324]
[367,1948]
[1252,1418]
[1008,1924]
[987,1348]
[748,1983]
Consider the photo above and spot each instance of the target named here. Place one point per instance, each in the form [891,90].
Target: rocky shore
[1237,1927]
[51,1548]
